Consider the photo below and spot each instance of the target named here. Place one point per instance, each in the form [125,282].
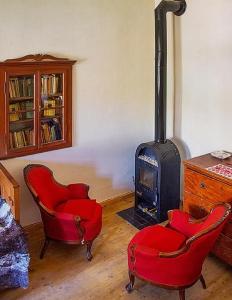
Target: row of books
[21,138]
[21,106]
[51,84]
[51,131]
[49,106]
[21,87]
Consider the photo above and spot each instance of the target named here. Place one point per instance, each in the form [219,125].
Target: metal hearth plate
[136,217]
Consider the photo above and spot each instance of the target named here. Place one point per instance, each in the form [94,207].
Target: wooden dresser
[203,189]
[10,191]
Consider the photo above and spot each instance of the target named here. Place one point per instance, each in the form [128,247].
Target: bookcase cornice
[37,59]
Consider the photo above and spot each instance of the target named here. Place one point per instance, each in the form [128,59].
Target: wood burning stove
[157,163]
[157,179]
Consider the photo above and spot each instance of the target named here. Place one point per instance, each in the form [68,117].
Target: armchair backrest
[207,230]
[191,256]
[202,243]
[182,221]
[215,218]
[43,186]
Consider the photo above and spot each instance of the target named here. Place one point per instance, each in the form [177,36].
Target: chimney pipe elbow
[182,9]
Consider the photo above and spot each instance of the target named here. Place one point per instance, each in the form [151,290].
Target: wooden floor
[64,273]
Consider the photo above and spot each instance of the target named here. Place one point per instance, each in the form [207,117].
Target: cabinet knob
[202,185]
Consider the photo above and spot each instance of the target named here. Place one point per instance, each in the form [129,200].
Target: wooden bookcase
[35,105]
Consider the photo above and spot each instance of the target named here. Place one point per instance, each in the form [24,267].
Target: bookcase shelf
[18,99]
[22,121]
[36,96]
[51,95]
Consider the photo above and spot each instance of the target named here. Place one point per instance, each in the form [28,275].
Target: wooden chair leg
[182,294]
[130,285]
[88,250]
[45,246]
[202,281]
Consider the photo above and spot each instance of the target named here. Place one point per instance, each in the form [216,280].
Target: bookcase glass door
[21,111]
[51,108]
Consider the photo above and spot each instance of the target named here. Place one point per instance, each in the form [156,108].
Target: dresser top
[200,163]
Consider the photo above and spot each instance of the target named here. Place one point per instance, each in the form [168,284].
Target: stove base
[137,218]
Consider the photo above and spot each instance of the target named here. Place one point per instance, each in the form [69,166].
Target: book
[29,105]
[15,139]
[14,107]
[11,140]
[49,107]
[28,136]
[30,88]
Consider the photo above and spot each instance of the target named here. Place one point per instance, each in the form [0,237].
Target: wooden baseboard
[39,225]
[116,199]
[33,227]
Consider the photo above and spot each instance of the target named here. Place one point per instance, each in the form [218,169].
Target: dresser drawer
[223,248]
[206,187]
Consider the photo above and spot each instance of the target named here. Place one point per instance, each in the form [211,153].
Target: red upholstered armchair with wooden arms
[67,213]
[172,256]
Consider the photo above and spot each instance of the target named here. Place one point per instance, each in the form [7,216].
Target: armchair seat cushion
[84,208]
[88,210]
[159,238]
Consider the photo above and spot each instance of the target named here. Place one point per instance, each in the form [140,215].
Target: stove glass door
[147,178]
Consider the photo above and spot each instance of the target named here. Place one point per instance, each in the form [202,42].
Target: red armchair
[67,213]
[172,256]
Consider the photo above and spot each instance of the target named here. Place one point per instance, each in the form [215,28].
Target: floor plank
[64,273]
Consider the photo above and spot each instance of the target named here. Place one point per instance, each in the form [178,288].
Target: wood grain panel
[196,206]
[223,248]
[206,187]
[9,190]
[227,230]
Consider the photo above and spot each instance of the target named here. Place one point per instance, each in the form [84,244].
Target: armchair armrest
[173,254]
[66,216]
[136,251]
[79,190]
[72,219]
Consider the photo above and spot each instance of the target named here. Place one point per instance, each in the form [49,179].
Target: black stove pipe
[178,7]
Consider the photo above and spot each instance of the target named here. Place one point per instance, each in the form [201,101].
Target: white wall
[204,74]
[112,87]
